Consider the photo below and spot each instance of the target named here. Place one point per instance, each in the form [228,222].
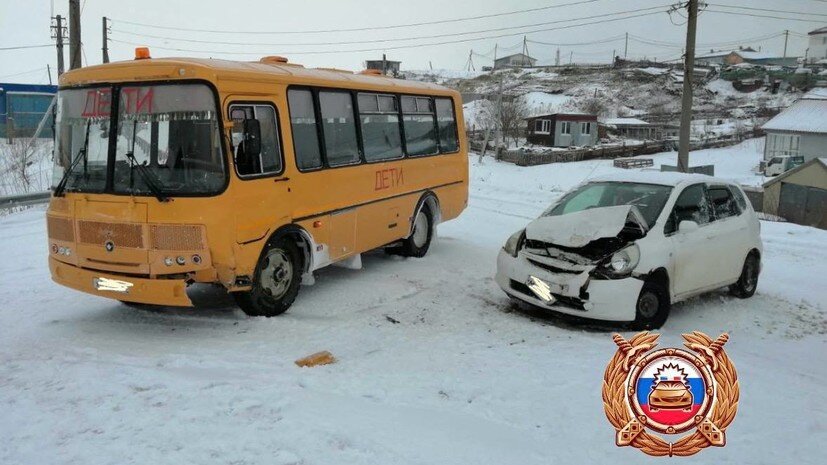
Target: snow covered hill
[435,364]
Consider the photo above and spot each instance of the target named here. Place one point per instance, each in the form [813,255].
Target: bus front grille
[121,234]
[60,229]
[176,237]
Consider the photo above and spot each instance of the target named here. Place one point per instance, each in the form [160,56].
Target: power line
[372,28]
[602,41]
[397,39]
[31,71]
[765,16]
[806,13]
[21,47]
[398,47]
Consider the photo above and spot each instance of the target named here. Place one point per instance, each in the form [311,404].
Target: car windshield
[172,131]
[648,198]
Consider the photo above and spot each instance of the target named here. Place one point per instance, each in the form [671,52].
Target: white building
[817,49]
[800,130]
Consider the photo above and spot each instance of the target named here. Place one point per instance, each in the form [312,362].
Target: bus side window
[420,128]
[379,115]
[339,128]
[447,124]
[303,125]
[269,159]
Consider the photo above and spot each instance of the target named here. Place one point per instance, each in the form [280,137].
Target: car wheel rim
[647,305]
[420,232]
[276,273]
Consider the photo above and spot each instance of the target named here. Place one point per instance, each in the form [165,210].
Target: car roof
[664,178]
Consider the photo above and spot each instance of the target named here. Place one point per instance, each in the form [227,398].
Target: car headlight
[514,243]
[624,260]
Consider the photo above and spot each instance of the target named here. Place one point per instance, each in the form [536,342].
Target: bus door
[263,193]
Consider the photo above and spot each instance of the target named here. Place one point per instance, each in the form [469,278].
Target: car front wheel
[652,308]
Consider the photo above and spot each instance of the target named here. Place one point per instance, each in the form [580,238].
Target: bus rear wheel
[418,243]
[276,282]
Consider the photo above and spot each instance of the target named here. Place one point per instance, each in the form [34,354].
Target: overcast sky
[26,22]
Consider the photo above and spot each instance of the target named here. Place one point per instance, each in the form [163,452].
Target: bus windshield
[167,139]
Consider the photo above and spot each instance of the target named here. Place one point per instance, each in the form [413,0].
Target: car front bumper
[172,292]
[575,294]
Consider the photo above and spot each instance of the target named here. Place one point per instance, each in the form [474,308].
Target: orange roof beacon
[250,175]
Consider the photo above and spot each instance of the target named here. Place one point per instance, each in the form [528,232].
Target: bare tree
[511,118]
[594,106]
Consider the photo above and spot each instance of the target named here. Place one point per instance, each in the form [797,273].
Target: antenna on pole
[58,30]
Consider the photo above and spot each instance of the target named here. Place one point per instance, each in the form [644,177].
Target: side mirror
[687,226]
[252,138]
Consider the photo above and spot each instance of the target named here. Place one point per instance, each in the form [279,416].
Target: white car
[626,247]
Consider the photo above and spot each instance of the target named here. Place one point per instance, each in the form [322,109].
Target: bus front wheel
[276,282]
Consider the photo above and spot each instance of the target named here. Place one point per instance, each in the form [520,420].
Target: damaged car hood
[580,228]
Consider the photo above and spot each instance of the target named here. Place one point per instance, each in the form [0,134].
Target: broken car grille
[561,300]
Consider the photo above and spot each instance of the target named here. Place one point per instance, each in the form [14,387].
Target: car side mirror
[252,138]
[687,226]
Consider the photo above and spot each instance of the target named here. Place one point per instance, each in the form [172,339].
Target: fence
[522,157]
[24,200]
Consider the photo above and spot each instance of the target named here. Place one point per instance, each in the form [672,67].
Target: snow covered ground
[435,365]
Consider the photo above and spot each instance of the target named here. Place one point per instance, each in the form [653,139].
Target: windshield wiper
[142,170]
[61,186]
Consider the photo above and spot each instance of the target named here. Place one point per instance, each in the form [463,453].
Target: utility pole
[686,100]
[525,50]
[626,47]
[58,29]
[74,34]
[495,54]
[105,47]
[571,57]
[786,37]
[557,58]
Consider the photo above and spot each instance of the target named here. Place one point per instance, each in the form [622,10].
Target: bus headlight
[514,243]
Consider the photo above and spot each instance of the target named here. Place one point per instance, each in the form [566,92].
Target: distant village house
[745,55]
[817,49]
[562,130]
[386,67]
[514,61]
[630,128]
[799,130]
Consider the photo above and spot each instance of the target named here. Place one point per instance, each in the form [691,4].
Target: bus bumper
[171,292]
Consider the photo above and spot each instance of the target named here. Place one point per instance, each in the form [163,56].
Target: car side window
[723,203]
[739,197]
[692,205]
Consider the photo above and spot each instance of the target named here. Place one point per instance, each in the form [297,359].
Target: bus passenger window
[269,159]
[420,126]
[339,127]
[447,124]
[303,124]
[379,116]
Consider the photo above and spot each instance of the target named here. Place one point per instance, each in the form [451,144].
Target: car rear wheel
[748,281]
[652,308]
[276,282]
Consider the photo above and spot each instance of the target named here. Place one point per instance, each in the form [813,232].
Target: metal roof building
[22,106]
[800,130]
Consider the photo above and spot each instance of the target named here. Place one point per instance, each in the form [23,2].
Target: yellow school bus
[251,175]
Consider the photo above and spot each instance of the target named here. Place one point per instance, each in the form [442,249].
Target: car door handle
[281,179]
